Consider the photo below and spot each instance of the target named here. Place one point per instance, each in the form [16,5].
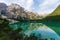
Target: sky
[39,6]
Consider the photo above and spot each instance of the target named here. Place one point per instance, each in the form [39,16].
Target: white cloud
[44,7]
[48,6]
[22,0]
[1,1]
[49,2]
[27,4]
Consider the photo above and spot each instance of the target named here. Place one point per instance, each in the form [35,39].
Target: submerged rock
[46,33]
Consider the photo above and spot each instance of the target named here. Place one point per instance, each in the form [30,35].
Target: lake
[29,27]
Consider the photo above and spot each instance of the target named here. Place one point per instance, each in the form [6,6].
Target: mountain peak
[3,6]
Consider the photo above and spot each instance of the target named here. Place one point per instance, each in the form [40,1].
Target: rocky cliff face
[15,11]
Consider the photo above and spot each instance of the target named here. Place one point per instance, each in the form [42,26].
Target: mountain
[3,6]
[54,16]
[56,12]
[15,11]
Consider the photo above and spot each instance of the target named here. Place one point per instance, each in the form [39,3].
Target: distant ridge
[56,12]
[54,16]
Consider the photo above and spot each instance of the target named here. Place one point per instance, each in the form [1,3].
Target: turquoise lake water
[27,27]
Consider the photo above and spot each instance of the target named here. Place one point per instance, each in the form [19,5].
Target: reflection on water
[29,28]
[26,26]
[53,25]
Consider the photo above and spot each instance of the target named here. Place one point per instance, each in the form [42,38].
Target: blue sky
[40,6]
